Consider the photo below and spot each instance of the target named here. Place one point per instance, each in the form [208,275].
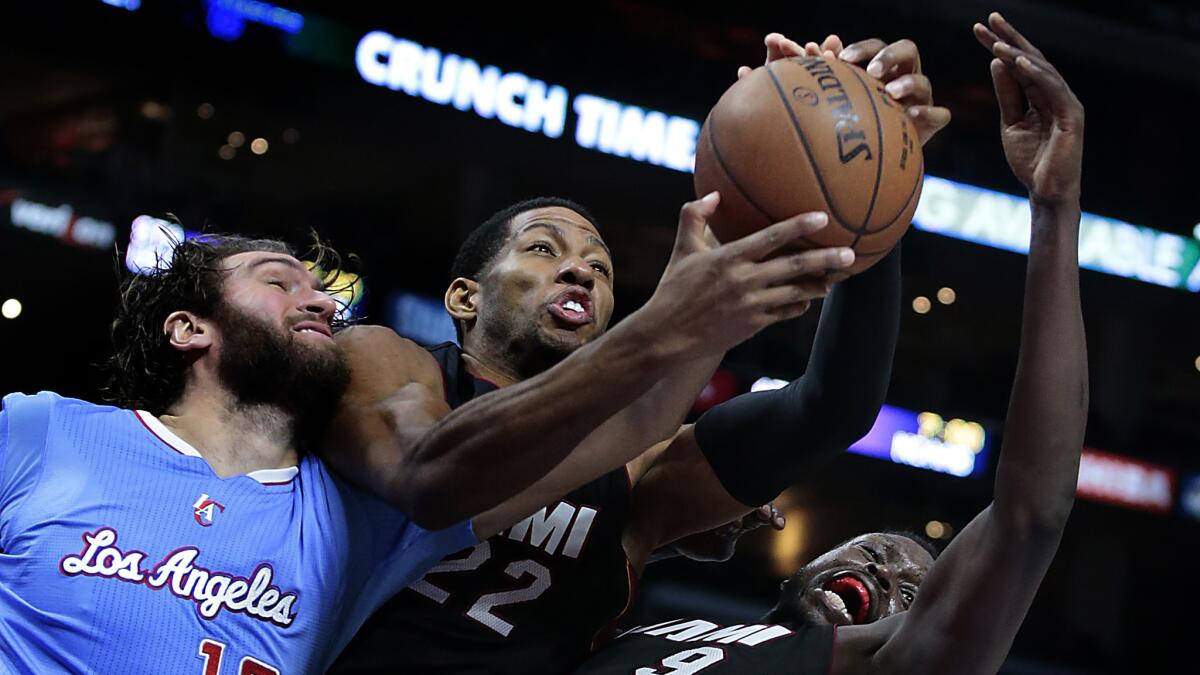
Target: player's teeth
[573,306]
[835,601]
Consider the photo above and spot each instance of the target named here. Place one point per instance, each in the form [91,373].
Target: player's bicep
[678,495]
[394,398]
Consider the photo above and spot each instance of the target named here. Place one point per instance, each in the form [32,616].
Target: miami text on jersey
[212,591]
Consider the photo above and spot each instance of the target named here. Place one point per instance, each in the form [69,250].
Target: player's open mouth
[848,597]
[572,308]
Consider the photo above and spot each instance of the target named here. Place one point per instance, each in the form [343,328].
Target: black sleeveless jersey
[698,646]
[532,599]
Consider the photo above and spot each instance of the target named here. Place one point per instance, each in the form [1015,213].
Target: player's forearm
[495,446]
[1039,465]
[777,434]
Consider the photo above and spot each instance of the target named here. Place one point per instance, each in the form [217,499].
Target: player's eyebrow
[592,239]
[317,284]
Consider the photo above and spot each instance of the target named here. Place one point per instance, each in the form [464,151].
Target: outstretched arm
[976,595]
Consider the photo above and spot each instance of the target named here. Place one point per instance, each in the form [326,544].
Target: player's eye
[872,554]
[908,595]
[602,268]
[541,247]
[277,283]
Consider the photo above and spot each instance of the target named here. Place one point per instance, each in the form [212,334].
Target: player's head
[532,283]
[243,314]
[862,580]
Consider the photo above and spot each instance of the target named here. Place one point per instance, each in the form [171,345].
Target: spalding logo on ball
[812,134]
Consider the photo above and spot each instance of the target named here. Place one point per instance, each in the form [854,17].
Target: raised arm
[396,435]
[977,593]
[744,452]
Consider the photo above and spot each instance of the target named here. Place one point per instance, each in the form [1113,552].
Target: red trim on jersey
[138,415]
[154,433]
[606,632]
[832,649]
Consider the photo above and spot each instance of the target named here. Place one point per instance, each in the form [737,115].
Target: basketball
[812,134]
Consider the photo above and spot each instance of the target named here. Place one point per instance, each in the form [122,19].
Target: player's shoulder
[19,404]
[375,347]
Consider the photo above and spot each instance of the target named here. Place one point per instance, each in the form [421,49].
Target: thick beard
[265,366]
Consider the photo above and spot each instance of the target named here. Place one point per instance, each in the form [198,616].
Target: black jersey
[685,646]
[532,599]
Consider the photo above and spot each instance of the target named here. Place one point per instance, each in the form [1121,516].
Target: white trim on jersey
[264,476]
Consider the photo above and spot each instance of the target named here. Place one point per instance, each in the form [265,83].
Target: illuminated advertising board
[523,102]
[60,221]
[926,440]
[1105,245]
[1113,479]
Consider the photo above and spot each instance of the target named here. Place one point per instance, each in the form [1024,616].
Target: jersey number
[211,652]
[685,663]
[481,611]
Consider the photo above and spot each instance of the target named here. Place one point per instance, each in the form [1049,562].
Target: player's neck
[480,367]
[234,438]
[515,361]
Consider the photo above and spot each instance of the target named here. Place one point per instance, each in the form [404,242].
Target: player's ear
[461,300]
[186,331]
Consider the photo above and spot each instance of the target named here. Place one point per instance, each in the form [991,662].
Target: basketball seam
[712,140]
[808,151]
[879,163]
[911,194]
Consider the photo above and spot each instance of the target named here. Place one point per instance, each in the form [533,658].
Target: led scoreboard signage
[526,103]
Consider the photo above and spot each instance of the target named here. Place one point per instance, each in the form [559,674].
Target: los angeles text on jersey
[212,591]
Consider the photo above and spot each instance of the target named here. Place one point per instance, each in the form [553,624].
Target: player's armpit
[679,495]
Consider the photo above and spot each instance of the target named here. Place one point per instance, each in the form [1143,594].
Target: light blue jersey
[122,552]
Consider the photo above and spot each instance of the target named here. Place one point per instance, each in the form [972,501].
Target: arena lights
[1106,245]
[526,103]
[926,441]
[205,111]
[946,295]
[936,529]
[921,304]
[11,308]
[62,222]
[227,19]
[131,5]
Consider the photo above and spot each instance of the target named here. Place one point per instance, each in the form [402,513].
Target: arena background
[114,110]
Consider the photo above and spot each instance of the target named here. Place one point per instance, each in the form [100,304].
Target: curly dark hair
[145,372]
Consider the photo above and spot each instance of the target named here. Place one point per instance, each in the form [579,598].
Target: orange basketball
[812,134]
